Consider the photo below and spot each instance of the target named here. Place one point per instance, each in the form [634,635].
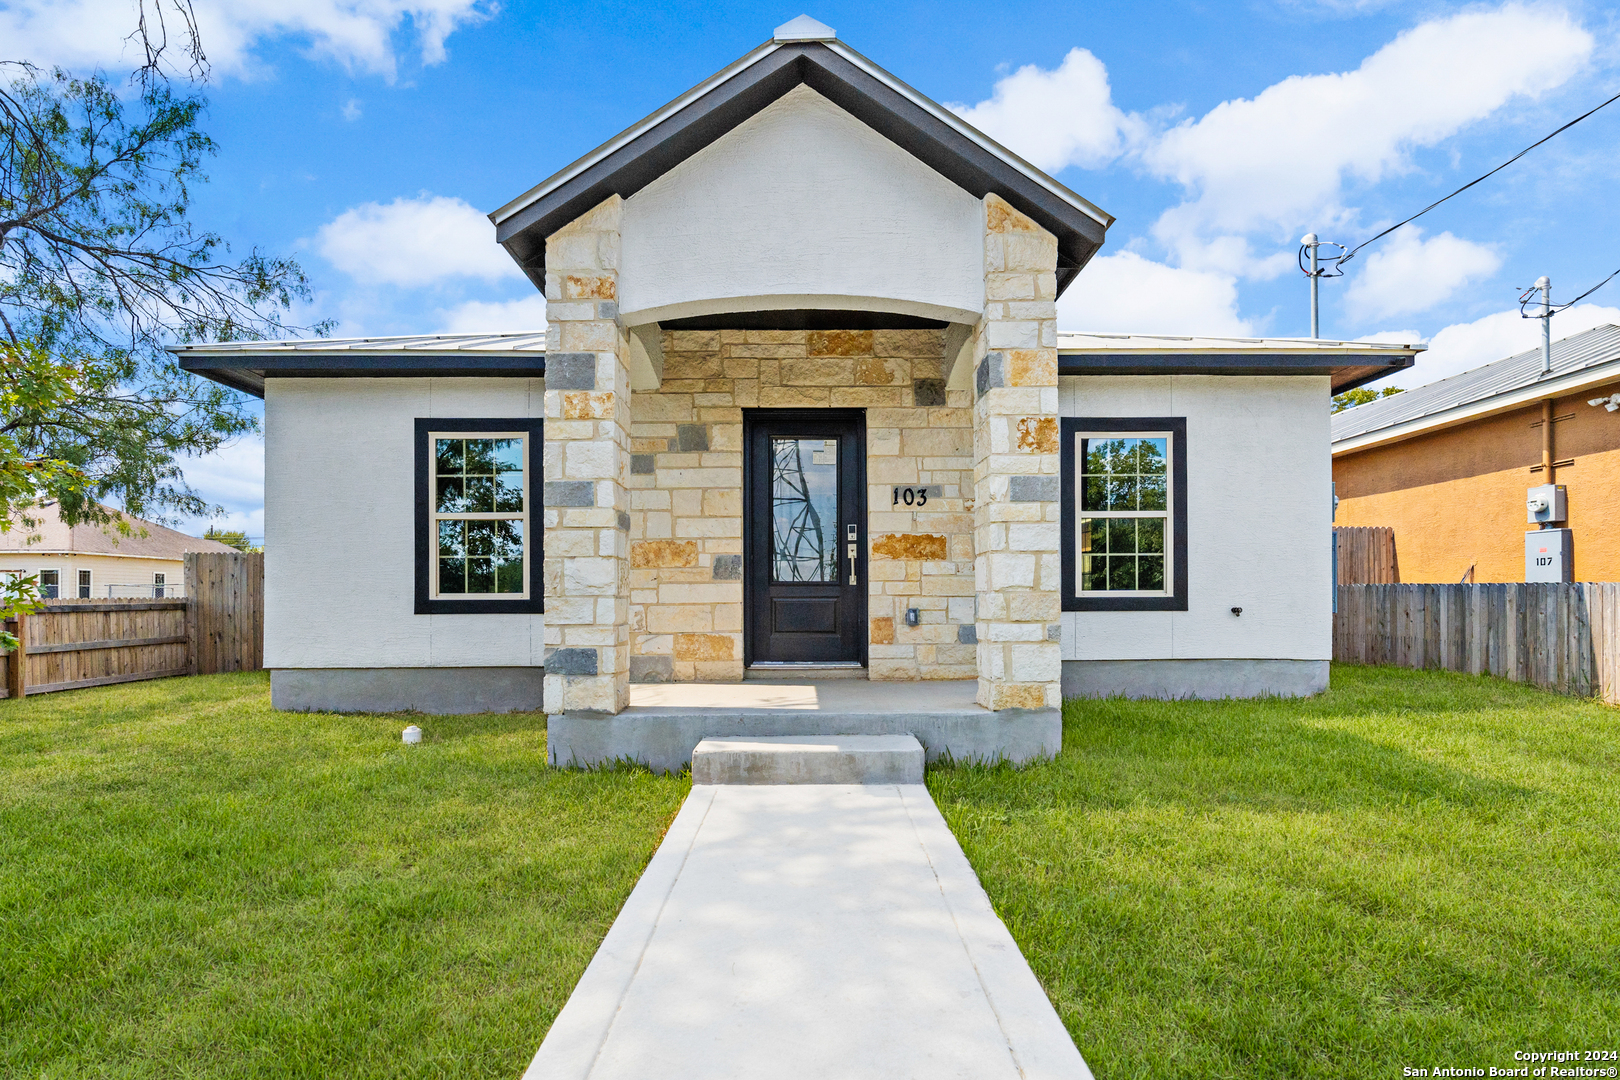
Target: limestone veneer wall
[686,541]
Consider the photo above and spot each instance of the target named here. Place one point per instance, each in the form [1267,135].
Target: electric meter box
[1547,503]
[1549,555]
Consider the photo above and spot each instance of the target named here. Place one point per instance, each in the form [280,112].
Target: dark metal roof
[1573,355]
[938,138]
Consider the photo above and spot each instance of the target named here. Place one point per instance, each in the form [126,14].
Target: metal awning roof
[1578,361]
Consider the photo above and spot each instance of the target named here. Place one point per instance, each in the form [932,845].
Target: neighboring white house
[93,561]
[801,407]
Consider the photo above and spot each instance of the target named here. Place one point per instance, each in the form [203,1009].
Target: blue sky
[370,137]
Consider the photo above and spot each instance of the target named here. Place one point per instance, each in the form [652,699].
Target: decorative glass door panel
[805,536]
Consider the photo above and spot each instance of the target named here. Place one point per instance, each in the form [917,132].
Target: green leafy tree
[233,537]
[1360,396]
[101,265]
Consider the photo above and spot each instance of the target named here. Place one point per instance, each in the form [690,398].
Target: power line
[1347,256]
[1554,309]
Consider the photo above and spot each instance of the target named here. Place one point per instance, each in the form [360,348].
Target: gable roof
[802,52]
[1348,363]
[55,538]
[1581,360]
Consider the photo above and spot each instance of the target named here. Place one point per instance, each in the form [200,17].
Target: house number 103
[915,496]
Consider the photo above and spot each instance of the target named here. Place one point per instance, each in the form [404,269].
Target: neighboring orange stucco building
[1448,465]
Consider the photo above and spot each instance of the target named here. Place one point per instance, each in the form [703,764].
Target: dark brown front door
[804,493]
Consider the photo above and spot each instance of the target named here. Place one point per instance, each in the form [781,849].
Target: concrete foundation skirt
[441,691]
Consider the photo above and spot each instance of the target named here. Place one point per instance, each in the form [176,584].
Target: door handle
[852,580]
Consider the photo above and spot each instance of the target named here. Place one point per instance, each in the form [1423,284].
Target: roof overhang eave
[247,372]
[1346,370]
[1495,405]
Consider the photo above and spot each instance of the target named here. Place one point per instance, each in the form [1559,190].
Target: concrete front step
[809,759]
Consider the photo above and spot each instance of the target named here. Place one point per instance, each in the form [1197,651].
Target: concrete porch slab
[666,721]
[809,759]
[803,932]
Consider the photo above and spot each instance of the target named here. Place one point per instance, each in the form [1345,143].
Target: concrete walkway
[817,931]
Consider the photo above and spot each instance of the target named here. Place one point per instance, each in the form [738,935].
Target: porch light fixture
[1610,403]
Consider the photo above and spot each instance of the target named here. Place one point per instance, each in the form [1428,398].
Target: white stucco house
[801,408]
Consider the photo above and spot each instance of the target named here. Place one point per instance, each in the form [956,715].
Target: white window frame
[1168,513]
[160,584]
[41,582]
[434,517]
[84,584]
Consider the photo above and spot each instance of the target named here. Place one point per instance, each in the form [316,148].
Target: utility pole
[1544,284]
[1311,242]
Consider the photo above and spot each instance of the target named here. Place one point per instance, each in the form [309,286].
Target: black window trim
[425,604]
[1073,426]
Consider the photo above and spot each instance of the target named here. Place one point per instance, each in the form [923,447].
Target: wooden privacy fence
[218,626]
[1367,555]
[1563,637]
[226,594]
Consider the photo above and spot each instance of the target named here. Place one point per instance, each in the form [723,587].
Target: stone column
[587,462]
[1015,466]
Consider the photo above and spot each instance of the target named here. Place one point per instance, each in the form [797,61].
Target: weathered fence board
[227,605]
[69,644]
[1366,555]
[219,626]
[1563,637]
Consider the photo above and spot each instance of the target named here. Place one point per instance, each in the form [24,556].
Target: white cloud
[1126,293]
[414,242]
[1463,346]
[526,314]
[352,110]
[231,475]
[1279,162]
[1054,118]
[362,35]
[1407,274]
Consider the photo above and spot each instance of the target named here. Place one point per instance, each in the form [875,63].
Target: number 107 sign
[916,496]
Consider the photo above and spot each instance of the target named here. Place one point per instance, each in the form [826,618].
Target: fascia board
[1478,410]
[971,133]
[635,131]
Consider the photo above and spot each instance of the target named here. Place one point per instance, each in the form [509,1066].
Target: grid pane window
[480,515]
[1124,512]
[84,584]
[50,584]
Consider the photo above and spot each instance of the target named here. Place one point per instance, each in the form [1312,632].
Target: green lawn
[1414,869]
[192,885]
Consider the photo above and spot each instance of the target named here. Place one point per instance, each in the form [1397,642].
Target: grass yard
[192,885]
[1414,869]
